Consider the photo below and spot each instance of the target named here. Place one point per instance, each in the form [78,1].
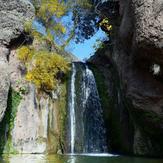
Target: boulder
[13,15]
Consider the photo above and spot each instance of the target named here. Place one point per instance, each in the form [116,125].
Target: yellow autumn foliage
[45,69]
[28,26]
[106,24]
[24,54]
[60,27]
[49,8]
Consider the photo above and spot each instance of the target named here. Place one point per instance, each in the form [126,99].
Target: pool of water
[35,158]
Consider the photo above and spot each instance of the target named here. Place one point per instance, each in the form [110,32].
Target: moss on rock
[7,123]
[62,106]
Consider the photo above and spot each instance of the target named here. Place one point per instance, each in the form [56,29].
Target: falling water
[87,130]
[72,106]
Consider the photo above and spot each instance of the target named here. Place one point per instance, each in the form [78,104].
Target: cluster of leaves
[90,16]
[48,14]
[25,54]
[22,87]
[43,67]
[86,20]
[105,25]
[49,8]
[84,25]
[99,44]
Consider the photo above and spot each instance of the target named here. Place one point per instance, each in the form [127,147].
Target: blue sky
[81,50]
[85,50]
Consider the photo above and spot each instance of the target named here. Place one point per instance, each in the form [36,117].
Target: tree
[48,14]
[90,15]
[86,20]
[44,66]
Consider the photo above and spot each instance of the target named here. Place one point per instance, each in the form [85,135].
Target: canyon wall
[136,55]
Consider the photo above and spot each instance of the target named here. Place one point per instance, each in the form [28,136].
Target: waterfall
[87,132]
[72,108]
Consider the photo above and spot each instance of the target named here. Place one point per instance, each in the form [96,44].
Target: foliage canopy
[43,67]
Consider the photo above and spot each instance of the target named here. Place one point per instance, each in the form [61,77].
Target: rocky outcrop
[13,16]
[34,121]
[138,57]
[30,125]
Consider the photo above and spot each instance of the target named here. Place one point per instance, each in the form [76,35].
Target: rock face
[138,57]
[4,80]
[13,16]
[14,13]
[137,53]
[33,123]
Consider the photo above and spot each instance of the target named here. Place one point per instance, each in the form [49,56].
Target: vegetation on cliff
[7,123]
[44,69]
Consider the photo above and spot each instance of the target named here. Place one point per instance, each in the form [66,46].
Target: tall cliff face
[137,53]
[138,57]
[29,122]
[13,16]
